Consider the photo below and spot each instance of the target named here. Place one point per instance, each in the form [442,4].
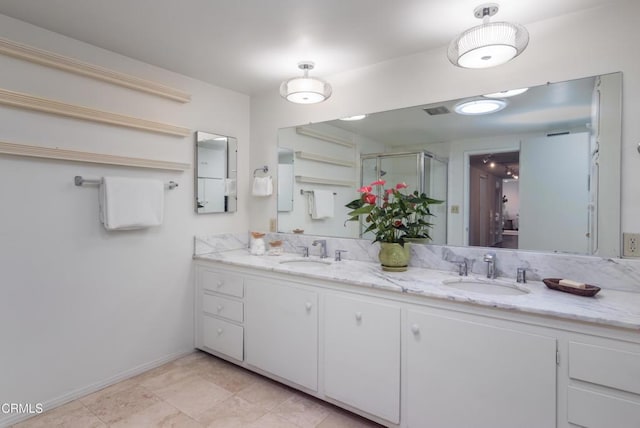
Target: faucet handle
[339,254]
[521,275]
[463,269]
[305,250]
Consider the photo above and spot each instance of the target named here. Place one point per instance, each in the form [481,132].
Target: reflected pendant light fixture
[305,89]
[489,44]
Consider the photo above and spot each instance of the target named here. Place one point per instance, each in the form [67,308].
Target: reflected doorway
[493,199]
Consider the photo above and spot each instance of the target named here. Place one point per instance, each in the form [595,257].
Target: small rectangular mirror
[215,173]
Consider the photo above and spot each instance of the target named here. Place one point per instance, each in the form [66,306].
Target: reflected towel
[321,202]
[229,187]
[131,203]
[262,186]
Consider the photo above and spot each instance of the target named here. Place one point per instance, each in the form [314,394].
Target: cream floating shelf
[17,99]
[325,137]
[326,181]
[324,159]
[78,156]
[50,59]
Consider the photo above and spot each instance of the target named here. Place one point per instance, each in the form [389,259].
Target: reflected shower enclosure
[421,171]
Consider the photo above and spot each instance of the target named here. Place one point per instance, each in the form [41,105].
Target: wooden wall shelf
[17,99]
[50,59]
[78,156]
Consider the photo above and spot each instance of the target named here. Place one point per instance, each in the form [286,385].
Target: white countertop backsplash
[618,304]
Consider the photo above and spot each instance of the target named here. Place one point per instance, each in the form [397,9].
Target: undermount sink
[300,263]
[477,285]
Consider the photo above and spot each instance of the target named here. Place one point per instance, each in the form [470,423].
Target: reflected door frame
[467,182]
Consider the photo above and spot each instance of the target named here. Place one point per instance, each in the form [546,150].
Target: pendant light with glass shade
[305,89]
[488,44]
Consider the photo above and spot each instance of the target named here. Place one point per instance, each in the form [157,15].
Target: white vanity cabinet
[410,361]
[282,330]
[362,354]
[604,383]
[219,312]
[463,372]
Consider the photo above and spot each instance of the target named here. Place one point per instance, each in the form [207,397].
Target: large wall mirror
[215,173]
[541,172]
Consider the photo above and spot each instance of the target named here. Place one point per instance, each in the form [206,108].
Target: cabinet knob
[220,283]
[358,316]
[308,306]
[415,329]
[220,308]
[220,331]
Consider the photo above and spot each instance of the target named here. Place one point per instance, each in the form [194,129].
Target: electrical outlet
[631,244]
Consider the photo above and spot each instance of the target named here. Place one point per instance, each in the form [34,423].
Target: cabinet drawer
[223,307]
[605,366]
[594,410]
[224,283]
[222,336]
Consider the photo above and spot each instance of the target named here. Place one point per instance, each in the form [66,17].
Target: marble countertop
[608,307]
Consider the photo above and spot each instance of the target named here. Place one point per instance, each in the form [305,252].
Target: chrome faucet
[490,259]
[323,247]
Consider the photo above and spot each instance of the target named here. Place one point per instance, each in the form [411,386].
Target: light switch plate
[631,244]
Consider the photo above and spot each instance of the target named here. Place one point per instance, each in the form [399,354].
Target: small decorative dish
[587,291]
[257,235]
[298,230]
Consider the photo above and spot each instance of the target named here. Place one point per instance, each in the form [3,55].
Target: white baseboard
[81,392]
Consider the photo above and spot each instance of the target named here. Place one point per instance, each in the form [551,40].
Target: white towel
[131,203]
[321,202]
[262,186]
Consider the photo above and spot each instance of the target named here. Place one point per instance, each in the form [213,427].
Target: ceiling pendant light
[305,89]
[489,44]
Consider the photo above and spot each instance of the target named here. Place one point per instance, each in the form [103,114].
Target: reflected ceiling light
[507,94]
[515,176]
[356,117]
[489,44]
[492,165]
[480,106]
[305,89]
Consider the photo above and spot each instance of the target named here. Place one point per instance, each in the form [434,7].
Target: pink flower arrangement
[396,216]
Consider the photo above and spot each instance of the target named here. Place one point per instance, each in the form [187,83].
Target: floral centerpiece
[393,219]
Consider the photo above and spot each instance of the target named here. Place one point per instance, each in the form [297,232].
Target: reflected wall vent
[435,111]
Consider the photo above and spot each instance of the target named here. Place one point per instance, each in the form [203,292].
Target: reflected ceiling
[549,108]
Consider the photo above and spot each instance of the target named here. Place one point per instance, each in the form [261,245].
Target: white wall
[511,190]
[80,306]
[583,44]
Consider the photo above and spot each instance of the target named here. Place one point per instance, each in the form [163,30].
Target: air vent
[435,111]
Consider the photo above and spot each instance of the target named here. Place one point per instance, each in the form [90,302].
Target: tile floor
[198,390]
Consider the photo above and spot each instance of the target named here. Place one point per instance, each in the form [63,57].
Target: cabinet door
[281,331]
[362,355]
[466,374]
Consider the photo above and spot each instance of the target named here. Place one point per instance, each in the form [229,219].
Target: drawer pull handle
[220,331]
[220,308]
[358,316]
[307,306]
[415,329]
